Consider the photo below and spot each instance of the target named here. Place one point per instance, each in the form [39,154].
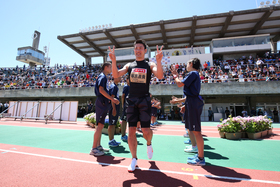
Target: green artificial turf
[249,154]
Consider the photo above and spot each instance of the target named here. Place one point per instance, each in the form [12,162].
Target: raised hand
[173,100]
[182,109]
[159,54]
[173,70]
[112,53]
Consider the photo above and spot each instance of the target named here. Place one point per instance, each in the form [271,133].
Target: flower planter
[269,132]
[254,136]
[264,133]
[222,134]
[244,135]
[117,130]
[105,131]
[233,136]
[90,124]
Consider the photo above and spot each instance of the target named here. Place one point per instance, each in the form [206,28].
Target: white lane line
[78,128]
[158,130]
[183,128]
[147,169]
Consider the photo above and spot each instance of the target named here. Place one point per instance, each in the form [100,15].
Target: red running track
[27,166]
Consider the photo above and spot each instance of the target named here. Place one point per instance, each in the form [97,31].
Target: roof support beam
[72,47]
[261,22]
[276,38]
[92,45]
[111,38]
[163,33]
[133,30]
[227,22]
[193,30]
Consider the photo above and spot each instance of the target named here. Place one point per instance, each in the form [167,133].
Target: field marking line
[146,169]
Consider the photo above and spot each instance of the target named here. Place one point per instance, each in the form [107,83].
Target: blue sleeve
[110,90]
[115,91]
[189,79]
[102,82]
[125,89]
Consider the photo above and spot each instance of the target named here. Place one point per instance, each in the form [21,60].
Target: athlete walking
[138,101]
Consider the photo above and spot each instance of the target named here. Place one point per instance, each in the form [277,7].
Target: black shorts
[154,111]
[193,110]
[124,113]
[114,119]
[138,109]
[101,108]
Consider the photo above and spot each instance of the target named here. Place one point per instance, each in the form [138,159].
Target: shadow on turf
[137,136]
[216,156]
[230,175]
[208,147]
[153,177]
[119,149]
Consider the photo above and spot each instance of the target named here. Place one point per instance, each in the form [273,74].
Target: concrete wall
[207,90]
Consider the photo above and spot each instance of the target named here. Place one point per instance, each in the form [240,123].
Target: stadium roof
[196,30]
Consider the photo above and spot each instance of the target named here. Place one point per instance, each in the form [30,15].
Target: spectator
[253,112]
[172,113]
[205,66]
[260,113]
[275,116]
[244,113]
[259,63]
[89,107]
[6,106]
[210,114]
[227,112]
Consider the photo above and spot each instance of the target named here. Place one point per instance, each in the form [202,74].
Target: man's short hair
[196,63]
[105,64]
[140,41]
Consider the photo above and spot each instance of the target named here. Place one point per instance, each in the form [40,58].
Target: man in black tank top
[138,102]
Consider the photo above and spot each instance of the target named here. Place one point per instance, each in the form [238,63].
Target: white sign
[168,60]
[184,51]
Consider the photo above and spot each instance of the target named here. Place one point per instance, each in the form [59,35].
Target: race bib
[138,75]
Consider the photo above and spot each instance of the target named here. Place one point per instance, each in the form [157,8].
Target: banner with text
[168,60]
[184,51]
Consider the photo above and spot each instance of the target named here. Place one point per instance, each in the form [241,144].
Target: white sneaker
[100,148]
[96,152]
[186,135]
[150,151]
[191,150]
[133,165]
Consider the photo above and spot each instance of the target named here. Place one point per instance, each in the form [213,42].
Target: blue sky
[20,18]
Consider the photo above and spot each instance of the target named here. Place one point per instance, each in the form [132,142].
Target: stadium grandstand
[241,71]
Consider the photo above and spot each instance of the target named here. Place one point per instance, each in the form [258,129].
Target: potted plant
[269,128]
[106,124]
[231,127]
[254,128]
[221,129]
[90,119]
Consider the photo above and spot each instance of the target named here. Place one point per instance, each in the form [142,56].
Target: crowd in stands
[245,69]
